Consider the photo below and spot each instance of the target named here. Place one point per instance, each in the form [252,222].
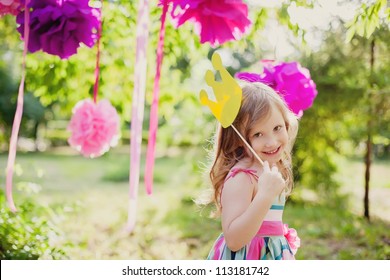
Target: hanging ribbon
[138,108]
[97,66]
[150,154]
[18,114]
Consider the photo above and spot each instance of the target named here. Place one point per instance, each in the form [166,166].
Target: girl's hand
[271,182]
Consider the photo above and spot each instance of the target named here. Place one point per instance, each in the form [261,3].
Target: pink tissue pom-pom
[292,238]
[94,127]
[9,7]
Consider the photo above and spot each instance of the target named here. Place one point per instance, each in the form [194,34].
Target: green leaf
[366,20]
[350,34]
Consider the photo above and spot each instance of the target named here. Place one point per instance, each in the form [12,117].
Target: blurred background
[71,207]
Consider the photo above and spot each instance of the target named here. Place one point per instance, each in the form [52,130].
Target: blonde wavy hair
[257,100]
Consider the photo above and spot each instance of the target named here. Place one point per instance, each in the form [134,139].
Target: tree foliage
[337,121]
[368,18]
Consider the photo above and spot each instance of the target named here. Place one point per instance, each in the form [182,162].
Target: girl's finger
[274,169]
[266,166]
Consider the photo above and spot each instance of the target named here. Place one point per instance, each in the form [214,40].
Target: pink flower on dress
[288,79]
[9,7]
[94,127]
[292,238]
[216,21]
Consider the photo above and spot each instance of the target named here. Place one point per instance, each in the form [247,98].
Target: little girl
[249,196]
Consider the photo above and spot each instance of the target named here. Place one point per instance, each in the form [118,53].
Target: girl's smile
[272,152]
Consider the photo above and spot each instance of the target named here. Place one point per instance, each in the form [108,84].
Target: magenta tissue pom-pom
[94,127]
[288,79]
[216,21]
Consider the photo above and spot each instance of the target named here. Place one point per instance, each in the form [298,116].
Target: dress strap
[251,172]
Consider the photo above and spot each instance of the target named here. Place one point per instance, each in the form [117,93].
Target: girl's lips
[273,152]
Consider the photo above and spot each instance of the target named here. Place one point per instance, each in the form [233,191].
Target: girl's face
[269,136]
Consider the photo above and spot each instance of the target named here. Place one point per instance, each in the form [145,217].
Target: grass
[93,197]
[351,177]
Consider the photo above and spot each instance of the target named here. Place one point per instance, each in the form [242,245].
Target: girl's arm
[242,216]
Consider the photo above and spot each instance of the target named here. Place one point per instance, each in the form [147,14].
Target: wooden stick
[247,144]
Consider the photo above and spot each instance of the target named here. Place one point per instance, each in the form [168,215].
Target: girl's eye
[258,134]
[277,128]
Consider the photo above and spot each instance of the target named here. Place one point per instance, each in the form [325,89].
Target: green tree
[371,23]
[352,92]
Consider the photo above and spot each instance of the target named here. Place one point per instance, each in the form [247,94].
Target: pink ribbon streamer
[18,115]
[150,154]
[97,66]
[138,108]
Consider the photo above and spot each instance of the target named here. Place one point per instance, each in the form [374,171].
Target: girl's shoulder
[241,181]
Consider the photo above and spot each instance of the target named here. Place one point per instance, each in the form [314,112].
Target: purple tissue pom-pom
[58,27]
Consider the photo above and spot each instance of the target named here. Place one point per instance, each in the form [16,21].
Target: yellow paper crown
[227,93]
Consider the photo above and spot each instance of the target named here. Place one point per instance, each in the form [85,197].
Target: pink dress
[273,241]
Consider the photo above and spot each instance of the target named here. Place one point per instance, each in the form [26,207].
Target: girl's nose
[270,142]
